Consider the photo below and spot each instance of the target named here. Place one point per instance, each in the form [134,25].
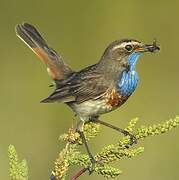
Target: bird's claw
[133,139]
[92,166]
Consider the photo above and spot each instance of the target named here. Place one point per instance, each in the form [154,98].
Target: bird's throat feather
[127,84]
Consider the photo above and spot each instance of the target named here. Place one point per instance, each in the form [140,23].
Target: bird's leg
[84,141]
[133,139]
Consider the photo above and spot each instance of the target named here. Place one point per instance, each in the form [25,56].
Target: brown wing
[55,65]
[81,86]
[91,88]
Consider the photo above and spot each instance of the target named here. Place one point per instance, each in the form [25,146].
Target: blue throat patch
[129,80]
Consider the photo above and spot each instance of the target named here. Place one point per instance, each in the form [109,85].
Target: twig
[79,173]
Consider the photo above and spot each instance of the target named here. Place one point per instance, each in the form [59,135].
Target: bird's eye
[128,48]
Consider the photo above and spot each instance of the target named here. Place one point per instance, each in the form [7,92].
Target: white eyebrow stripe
[117,47]
[121,45]
[124,44]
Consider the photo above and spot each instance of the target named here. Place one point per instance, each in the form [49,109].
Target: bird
[95,90]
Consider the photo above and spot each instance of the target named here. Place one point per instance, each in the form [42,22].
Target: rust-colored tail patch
[56,67]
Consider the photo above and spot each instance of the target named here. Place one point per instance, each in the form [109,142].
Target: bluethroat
[96,89]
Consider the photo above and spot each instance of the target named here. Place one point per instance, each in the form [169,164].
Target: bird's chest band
[114,99]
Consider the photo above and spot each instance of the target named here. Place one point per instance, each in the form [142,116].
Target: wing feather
[82,86]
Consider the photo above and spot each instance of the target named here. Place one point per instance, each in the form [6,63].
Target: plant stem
[79,173]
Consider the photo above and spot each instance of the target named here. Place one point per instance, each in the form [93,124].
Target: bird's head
[127,51]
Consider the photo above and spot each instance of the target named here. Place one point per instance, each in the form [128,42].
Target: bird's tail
[56,67]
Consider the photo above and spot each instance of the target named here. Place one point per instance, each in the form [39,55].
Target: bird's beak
[148,48]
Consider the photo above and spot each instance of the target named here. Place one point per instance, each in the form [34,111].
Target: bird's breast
[101,105]
[110,100]
[127,84]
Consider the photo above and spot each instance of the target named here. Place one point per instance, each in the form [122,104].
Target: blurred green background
[80,30]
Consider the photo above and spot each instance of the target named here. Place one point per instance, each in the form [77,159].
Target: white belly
[90,108]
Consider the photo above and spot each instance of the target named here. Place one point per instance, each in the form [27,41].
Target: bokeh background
[80,30]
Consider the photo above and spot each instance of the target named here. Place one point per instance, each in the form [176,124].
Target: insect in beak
[149,47]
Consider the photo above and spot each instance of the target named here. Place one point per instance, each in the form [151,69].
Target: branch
[79,173]
[71,155]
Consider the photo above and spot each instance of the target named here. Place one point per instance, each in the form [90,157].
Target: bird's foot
[92,165]
[133,139]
